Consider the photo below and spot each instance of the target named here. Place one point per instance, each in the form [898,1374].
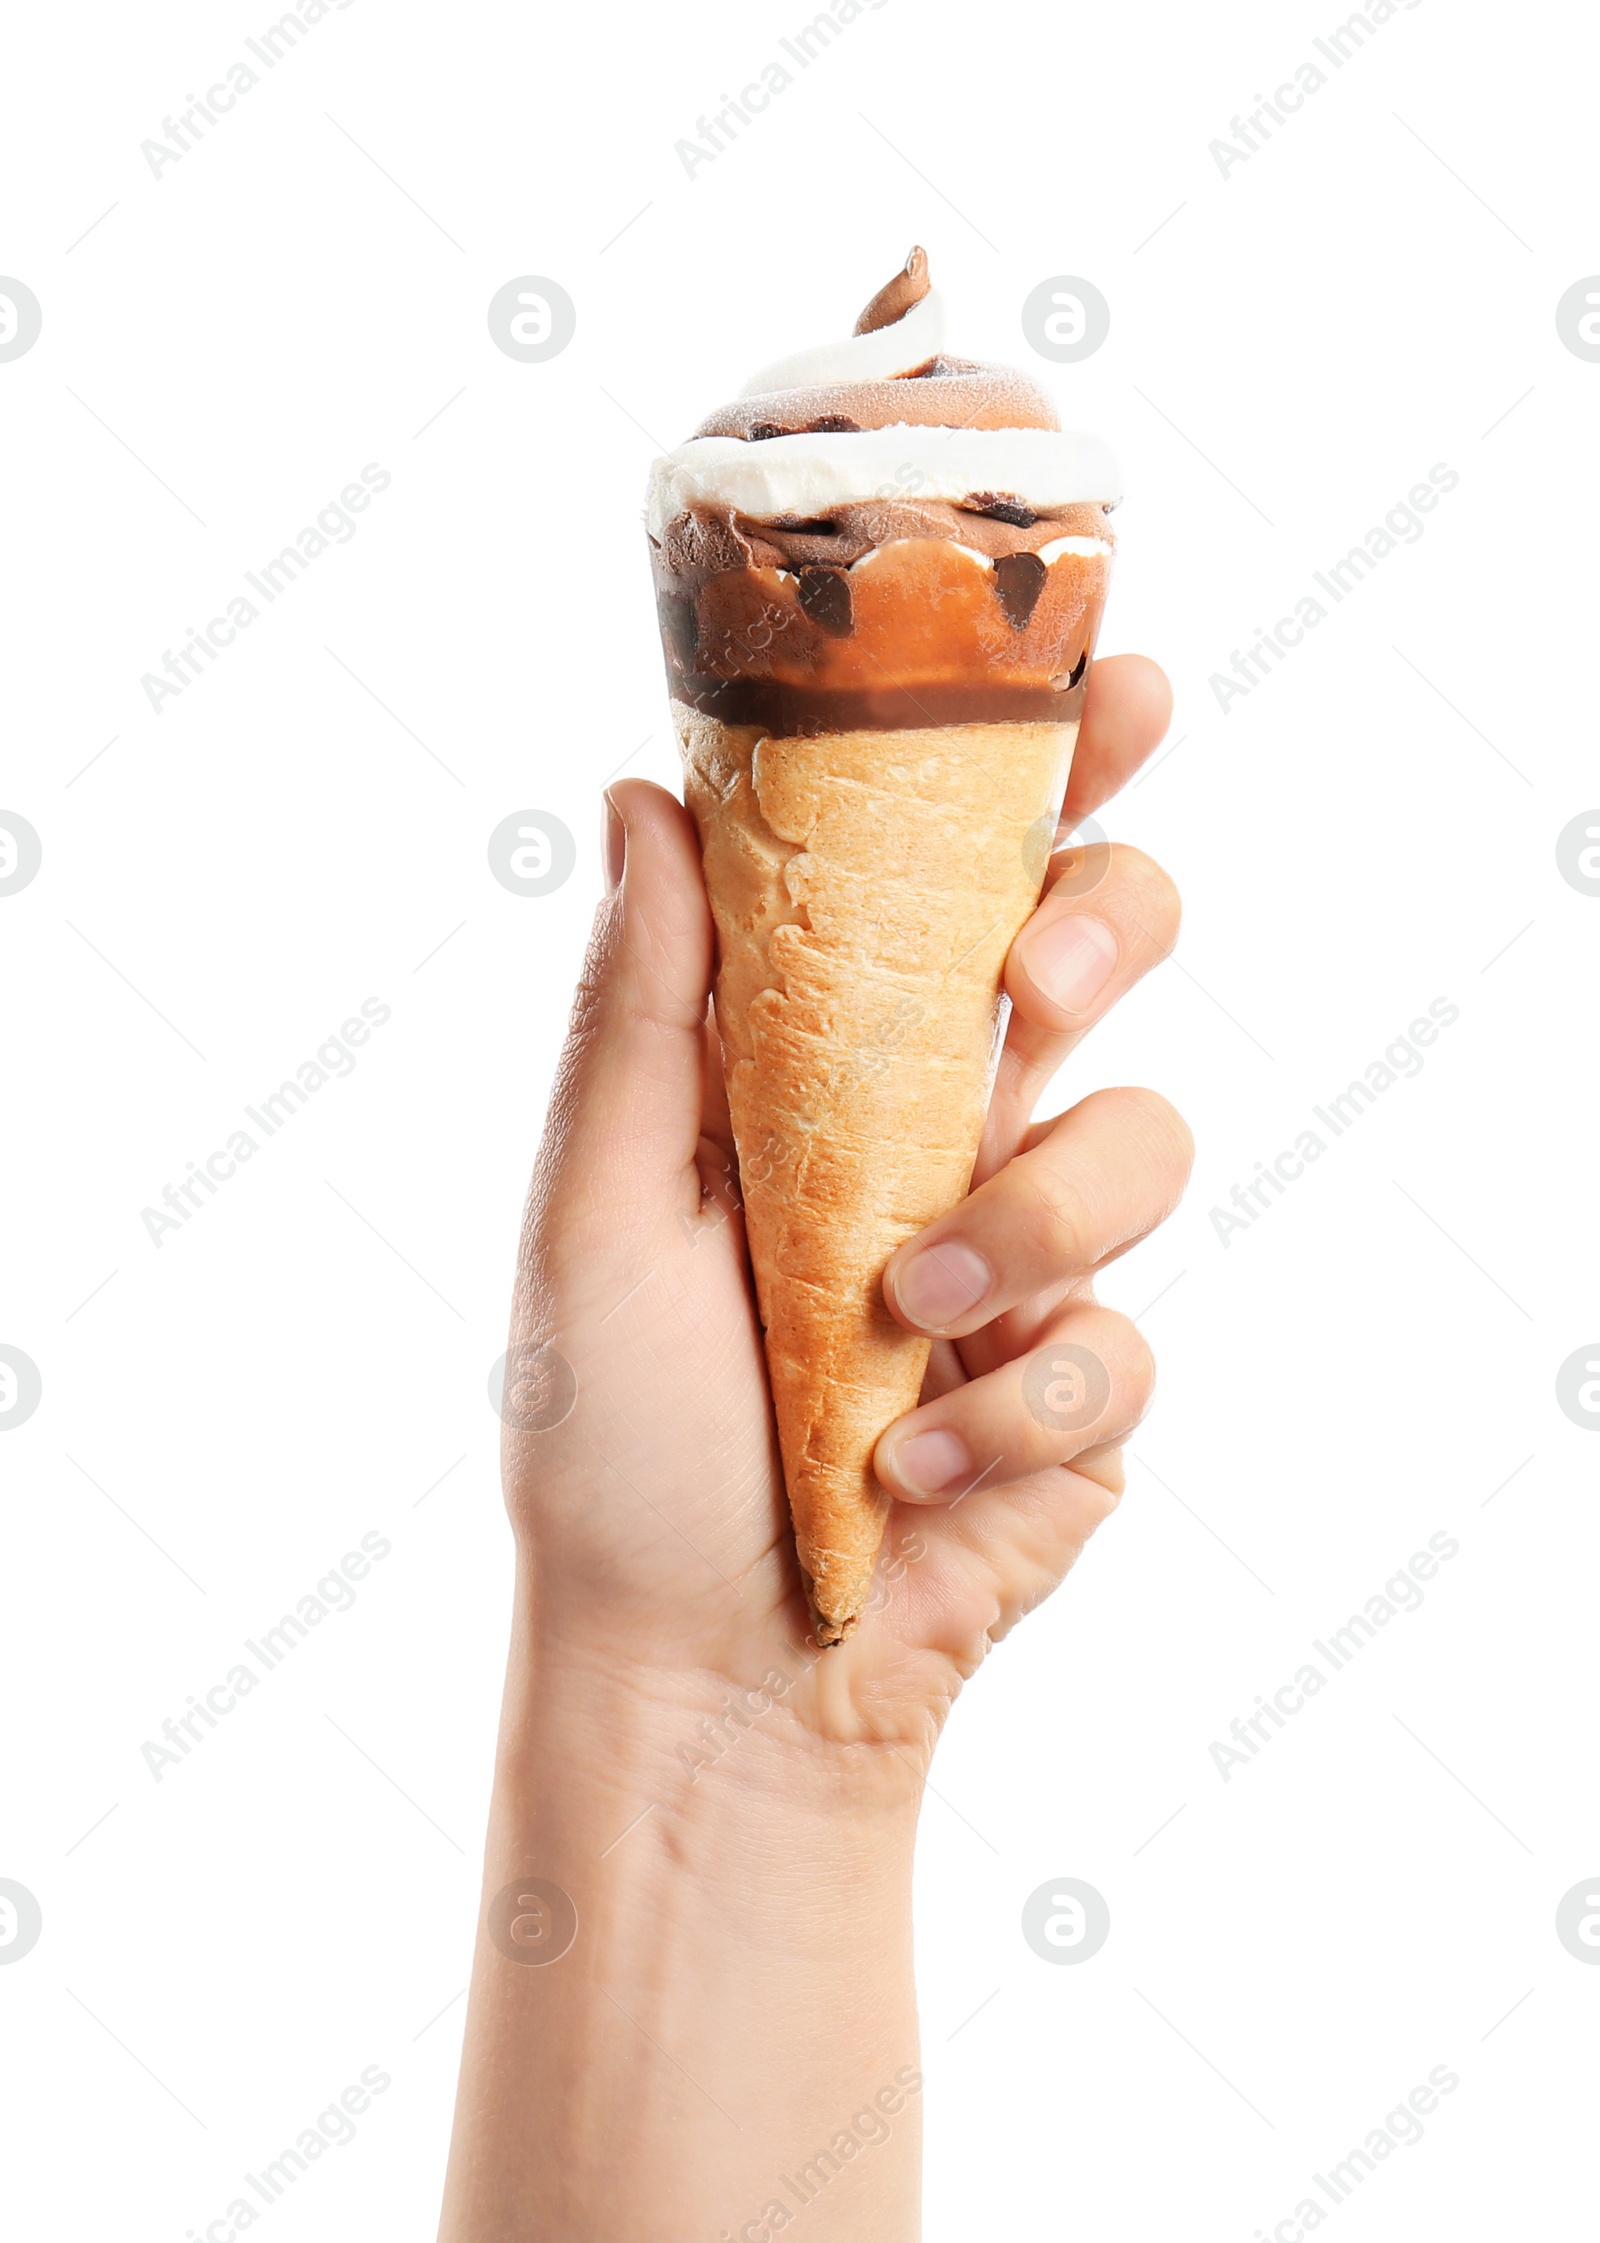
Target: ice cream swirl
[893,371]
[941,427]
[877,532]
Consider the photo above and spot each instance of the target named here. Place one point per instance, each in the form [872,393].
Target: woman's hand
[693,2009]
[653,1514]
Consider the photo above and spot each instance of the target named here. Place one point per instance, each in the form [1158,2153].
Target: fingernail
[613,845]
[1071,958]
[942,1282]
[932,1463]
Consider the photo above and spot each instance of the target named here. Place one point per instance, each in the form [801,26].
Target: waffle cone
[866,887]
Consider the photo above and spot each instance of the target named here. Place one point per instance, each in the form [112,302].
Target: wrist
[728,2000]
[712,1756]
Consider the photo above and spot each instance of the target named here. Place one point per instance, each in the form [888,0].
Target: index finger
[1126,711]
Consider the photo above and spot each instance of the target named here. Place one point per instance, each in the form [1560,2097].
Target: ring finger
[1085,1387]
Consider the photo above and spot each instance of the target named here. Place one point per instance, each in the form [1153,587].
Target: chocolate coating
[789,711]
[918,633]
[895,612]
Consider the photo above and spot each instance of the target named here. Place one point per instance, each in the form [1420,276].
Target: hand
[728,1812]
[653,1515]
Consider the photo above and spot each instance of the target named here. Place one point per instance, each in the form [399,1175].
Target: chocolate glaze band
[790,712]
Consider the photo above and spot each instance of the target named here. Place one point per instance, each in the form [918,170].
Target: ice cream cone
[866,889]
[876,685]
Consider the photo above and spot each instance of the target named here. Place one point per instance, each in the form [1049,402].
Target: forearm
[733,2027]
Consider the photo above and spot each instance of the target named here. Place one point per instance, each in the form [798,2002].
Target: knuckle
[1131,865]
[1160,905]
[1105,1471]
[1061,1217]
[1171,1134]
[1142,1379]
[1152,1128]
[1131,885]
[1134,1385]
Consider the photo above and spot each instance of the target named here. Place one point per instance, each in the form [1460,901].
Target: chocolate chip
[1019,579]
[825,597]
[761,430]
[836,424]
[1000,507]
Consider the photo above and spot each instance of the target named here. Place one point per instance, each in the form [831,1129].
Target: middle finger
[1109,914]
[1100,1178]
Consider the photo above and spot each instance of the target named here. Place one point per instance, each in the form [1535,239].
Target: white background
[1292,347]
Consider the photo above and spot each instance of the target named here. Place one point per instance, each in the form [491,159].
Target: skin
[731,1812]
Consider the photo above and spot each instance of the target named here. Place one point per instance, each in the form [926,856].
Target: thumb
[625,1109]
